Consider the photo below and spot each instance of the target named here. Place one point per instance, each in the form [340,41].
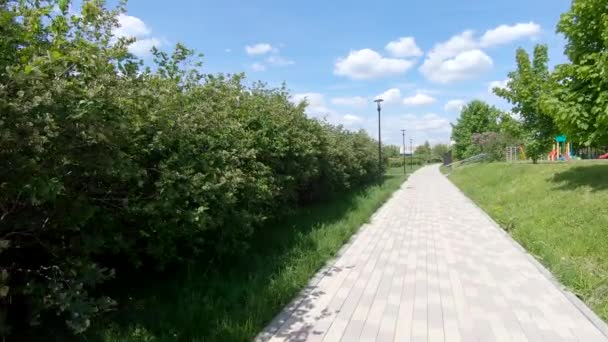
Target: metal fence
[474,159]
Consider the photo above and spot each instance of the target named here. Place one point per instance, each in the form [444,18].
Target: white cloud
[430,122]
[505,34]
[390,96]
[228,50]
[367,64]
[461,57]
[130,26]
[279,60]
[420,128]
[443,63]
[355,101]
[454,46]
[350,119]
[259,49]
[258,67]
[419,99]
[497,84]
[431,127]
[316,104]
[454,105]
[465,65]
[317,108]
[143,47]
[274,60]
[133,27]
[404,47]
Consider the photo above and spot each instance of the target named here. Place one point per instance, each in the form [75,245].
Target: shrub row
[409,160]
[106,162]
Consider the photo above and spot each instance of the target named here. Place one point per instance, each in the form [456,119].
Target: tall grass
[234,300]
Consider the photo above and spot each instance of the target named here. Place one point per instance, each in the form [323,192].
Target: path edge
[282,316]
[591,316]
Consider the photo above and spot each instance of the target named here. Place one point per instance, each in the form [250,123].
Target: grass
[236,302]
[557,211]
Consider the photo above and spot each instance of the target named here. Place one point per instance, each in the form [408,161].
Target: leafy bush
[398,161]
[537,147]
[491,143]
[107,163]
[476,117]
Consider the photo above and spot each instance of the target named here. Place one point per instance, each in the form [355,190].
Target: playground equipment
[515,153]
[511,154]
[522,152]
[562,149]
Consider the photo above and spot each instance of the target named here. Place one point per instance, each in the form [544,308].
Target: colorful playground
[562,150]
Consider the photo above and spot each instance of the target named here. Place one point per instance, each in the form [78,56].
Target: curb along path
[431,266]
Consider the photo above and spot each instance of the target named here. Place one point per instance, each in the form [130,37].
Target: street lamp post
[403,131]
[378,101]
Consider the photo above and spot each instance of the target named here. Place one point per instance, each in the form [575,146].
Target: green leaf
[64,5]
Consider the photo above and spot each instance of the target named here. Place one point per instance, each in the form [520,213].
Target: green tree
[511,128]
[391,151]
[476,117]
[526,87]
[424,152]
[438,151]
[579,94]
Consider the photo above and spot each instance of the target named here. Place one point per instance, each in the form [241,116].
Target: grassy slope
[236,303]
[558,212]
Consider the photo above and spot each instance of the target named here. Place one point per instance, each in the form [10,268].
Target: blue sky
[425,57]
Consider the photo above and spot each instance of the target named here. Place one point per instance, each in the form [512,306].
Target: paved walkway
[431,266]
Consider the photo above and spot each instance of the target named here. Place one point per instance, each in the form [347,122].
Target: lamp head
[378,101]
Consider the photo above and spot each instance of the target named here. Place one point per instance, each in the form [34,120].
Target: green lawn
[557,211]
[236,301]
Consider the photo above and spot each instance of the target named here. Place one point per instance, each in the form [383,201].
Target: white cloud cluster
[317,108]
[392,95]
[426,127]
[133,27]
[404,47]
[461,57]
[505,34]
[354,101]
[259,49]
[428,122]
[454,105]
[130,26]
[274,58]
[350,119]
[497,84]
[315,103]
[430,126]
[368,64]
[279,60]
[420,99]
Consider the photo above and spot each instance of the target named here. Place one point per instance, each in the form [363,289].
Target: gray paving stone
[431,266]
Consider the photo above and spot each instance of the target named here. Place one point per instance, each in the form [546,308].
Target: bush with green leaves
[476,117]
[108,165]
[492,144]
